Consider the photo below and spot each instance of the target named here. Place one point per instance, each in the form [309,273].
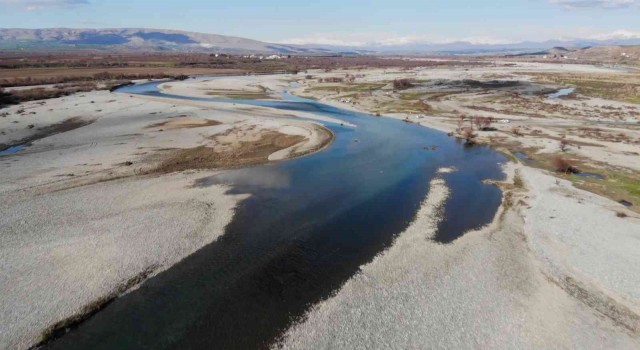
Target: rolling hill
[135,39]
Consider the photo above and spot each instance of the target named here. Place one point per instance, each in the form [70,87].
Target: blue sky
[343,21]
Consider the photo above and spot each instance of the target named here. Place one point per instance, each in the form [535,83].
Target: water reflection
[269,176]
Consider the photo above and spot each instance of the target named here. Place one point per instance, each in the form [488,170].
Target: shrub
[517,181]
[564,144]
[402,84]
[516,131]
[621,214]
[334,80]
[350,78]
[562,165]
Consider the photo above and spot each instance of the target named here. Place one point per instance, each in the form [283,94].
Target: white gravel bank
[484,291]
[65,250]
[69,239]
[577,234]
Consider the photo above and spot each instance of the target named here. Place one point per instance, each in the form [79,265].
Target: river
[308,225]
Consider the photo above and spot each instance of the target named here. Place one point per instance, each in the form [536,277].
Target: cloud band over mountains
[605,4]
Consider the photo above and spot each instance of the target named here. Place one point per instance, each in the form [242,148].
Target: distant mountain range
[136,39]
[464,47]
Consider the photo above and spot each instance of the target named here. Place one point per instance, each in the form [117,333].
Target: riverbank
[92,205]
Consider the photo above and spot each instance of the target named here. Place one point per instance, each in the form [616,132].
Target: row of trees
[101,76]
[59,90]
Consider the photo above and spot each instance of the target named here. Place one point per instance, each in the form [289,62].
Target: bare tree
[460,122]
[482,123]
[469,136]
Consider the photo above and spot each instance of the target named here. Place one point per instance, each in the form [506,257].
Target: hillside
[608,54]
[134,39]
[615,54]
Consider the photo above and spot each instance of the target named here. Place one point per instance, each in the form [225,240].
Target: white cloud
[375,40]
[606,4]
[32,5]
[617,35]
[324,40]
[371,40]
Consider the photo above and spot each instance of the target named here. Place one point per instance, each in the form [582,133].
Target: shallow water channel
[308,225]
[561,93]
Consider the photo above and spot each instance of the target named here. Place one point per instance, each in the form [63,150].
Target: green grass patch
[407,96]
[241,95]
[625,89]
[617,185]
[401,106]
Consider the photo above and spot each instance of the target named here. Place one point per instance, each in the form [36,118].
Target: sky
[343,22]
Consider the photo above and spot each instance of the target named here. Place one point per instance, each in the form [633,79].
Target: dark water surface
[307,227]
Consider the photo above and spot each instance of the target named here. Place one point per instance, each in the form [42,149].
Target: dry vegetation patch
[238,94]
[67,125]
[619,87]
[248,153]
[184,122]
